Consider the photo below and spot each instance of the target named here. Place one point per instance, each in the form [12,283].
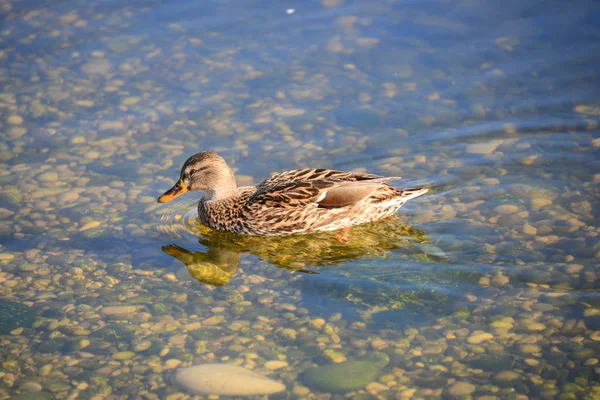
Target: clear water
[486,287]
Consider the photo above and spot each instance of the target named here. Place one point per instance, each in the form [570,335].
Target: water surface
[486,287]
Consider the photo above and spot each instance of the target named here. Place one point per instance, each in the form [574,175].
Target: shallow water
[486,287]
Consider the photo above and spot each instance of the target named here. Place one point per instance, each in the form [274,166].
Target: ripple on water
[178,218]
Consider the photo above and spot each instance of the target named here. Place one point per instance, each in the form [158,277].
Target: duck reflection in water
[219,263]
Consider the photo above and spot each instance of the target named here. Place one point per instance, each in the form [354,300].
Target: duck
[295,202]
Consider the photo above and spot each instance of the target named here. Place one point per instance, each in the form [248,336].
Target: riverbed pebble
[484,148]
[478,337]
[506,209]
[119,311]
[14,119]
[275,364]
[226,380]
[461,389]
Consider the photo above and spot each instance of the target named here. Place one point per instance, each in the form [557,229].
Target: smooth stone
[89,225]
[506,378]
[534,326]
[46,192]
[433,349]
[460,389]
[17,132]
[85,103]
[226,380]
[300,390]
[590,312]
[500,280]
[214,320]
[479,337]
[142,346]
[538,202]
[124,355]
[275,364]
[376,387]
[506,209]
[31,387]
[490,181]
[317,323]
[530,348]
[130,101]
[529,230]
[99,67]
[288,333]
[48,177]
[532,362]
[14,120]
[192,326]
[484,148]
[92,155]
[289,112]
[112,125]
[335,356]
[78,140]
[119,311]
[591,362]
[172,363]
[574,269]
[378,344]
[68,197]
[45,370]
[505,323]
[288,307]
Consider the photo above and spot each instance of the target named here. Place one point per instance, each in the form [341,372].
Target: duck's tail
[398,197]
[408,194]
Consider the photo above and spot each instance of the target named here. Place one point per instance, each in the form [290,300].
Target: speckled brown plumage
[291,202]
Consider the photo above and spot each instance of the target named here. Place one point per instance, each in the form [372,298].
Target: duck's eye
[192,171]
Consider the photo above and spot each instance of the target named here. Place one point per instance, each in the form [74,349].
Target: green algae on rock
[345,376]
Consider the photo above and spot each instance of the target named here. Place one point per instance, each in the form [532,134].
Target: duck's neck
[225,189]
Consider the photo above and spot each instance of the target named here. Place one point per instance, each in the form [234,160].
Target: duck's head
[206,171]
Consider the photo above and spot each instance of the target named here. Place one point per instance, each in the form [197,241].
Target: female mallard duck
[292,202]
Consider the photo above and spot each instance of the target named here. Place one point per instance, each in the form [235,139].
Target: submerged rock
[345,376]
[492,362]
[120,311]
[461,389]
[14,315]
[227,380]
[483,148]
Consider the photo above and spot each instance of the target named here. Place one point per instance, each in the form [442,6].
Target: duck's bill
[175,191]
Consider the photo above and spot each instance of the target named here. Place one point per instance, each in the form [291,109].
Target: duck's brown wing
[314,174]
[322,188]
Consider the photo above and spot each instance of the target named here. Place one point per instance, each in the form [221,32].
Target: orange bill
[175,191]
